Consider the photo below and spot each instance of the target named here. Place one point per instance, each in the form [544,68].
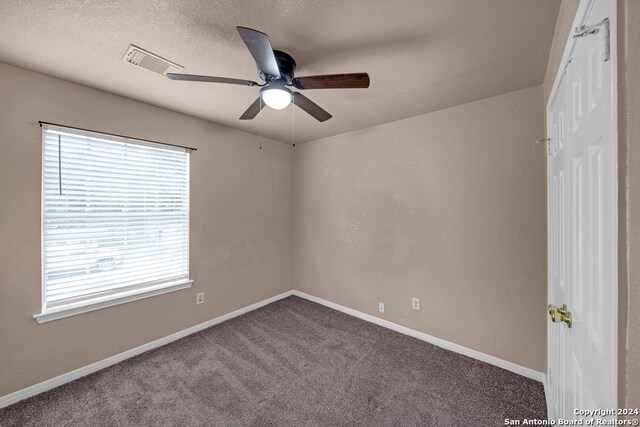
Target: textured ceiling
[422,55]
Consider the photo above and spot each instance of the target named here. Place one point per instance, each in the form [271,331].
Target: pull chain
[293,122]
[260,98]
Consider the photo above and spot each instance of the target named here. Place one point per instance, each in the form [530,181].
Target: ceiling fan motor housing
[286,65]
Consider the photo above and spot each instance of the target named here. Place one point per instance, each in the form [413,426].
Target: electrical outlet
[199,297]
[415,303]
[381,307]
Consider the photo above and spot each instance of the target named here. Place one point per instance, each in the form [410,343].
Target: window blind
[115,216]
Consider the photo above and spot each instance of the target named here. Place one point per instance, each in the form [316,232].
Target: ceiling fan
[276,69]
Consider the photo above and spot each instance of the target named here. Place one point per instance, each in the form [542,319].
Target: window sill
[100,303]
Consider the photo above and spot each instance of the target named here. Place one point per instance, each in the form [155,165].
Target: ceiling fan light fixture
[276,97]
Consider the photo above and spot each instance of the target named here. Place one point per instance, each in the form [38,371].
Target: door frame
[584,9]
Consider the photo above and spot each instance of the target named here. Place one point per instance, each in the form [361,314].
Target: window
[115,222]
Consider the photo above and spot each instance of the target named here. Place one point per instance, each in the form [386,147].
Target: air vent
[150,61]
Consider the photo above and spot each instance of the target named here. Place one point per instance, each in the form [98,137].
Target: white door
[582,217]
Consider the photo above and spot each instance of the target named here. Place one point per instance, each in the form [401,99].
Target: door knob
[560,314]
[556,316]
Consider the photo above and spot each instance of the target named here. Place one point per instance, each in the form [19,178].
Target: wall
[241,220]
[448,207]
[629,173]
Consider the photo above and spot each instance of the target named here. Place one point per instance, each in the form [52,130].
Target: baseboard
[25,393]
[19,395]
[492,360]
[550,409]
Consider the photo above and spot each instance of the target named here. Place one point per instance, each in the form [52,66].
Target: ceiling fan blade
[210,79]
[253,110]
[259,45]
[333,81]
[310,107]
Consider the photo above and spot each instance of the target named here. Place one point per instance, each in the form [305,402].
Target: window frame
[62,310]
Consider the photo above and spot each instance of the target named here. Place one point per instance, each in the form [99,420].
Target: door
[582,219]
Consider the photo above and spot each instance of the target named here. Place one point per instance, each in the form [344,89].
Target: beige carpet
[291,363]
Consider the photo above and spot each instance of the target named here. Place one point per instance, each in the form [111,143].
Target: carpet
[290,363]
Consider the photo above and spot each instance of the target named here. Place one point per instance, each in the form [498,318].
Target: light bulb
[276,98]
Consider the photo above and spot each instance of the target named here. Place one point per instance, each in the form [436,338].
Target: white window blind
[115,217]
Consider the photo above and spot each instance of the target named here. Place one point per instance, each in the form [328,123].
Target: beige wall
[629,132]
[240,226]
[386,221]
[448,207]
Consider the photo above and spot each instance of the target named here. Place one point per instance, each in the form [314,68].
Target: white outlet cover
[415,303]
[381,307]
[200,298]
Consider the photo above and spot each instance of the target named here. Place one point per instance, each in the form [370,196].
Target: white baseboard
[19,395]
[550,409]
[492,360]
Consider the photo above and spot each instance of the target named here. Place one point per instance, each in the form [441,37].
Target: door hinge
[603,27]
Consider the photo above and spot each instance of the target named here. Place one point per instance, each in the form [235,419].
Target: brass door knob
[556,317]
[560,314]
